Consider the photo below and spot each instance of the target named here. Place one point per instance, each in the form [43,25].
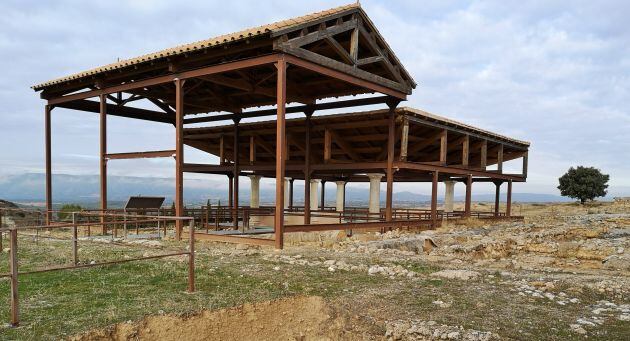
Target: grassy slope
[64,303]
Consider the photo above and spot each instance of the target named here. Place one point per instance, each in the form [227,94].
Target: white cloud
[555,74]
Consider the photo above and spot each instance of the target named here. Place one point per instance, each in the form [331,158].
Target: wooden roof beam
[345,56]
[239,84]
[118,110]
[345,146]
[430,140]
[291,110]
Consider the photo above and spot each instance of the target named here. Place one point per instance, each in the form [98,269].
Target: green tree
[583,183]
[65,214]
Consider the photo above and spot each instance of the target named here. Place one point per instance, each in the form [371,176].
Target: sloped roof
[269,30]
[367,115]
[444,120]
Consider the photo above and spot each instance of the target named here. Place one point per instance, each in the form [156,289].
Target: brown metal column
[434,194]
[467,203]
[291,194]
[508,204]
[322,199]
[281,146]
[497,195]
[47,130]
[179,156]
[103,160]
[236,173]
[390,159]
[307,169]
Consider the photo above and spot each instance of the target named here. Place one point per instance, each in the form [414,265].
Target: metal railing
[82,220]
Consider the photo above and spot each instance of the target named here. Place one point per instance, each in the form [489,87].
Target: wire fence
[70,232]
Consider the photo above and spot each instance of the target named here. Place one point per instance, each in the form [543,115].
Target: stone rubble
[431,330]
[333,265]
[544,290]
[463,275]
[599,314]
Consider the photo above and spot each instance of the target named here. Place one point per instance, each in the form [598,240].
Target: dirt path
[297,318]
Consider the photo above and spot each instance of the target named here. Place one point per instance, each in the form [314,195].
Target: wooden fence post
[13,264]
[1,248]
[191,257]
[75,256]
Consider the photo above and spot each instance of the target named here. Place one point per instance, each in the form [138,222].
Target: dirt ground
[271,320]
[562,273]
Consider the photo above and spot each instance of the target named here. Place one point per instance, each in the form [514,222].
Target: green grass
[62,303]
[418,267]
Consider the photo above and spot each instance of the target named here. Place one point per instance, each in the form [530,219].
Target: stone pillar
[254,200]
[322,198]
[341,195]
[375,191]
[314,194]
[449,195]
[287,187]
[497,198]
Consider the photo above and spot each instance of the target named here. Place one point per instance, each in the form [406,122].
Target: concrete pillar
[341,195]
[314,194]
[254,200]
[449,195]
[322,198]
[497,198]
[375,191]
[287,187]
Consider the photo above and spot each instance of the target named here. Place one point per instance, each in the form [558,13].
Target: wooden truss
[334,55]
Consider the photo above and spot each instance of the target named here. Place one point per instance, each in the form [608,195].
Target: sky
[555,73]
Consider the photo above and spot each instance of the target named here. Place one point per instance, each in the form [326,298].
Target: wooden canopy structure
[344,145]
[304,60]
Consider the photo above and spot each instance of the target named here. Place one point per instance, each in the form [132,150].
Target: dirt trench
[296,318]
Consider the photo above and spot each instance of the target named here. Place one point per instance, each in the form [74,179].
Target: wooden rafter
[381,53]
[340,50]
[345,146]
[240,84]
[301,46]
[419,146]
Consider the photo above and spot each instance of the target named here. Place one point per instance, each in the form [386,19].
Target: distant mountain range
[85,189]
